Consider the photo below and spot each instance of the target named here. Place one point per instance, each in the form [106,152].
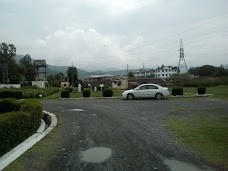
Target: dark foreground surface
[114,134]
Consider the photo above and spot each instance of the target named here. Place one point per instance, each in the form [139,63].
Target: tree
[72,74]
[7,61]
[29,67]
[130,74]
[55,80]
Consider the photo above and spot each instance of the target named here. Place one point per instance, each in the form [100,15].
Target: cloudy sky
[111,34]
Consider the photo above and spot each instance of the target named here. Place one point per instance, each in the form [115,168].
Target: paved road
[115,134]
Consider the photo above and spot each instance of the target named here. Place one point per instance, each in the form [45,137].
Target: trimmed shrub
[10,94]
[65,94]
[177,91]
[86,93]
[70,89]
[14,128]
[34,108]
[9,105]
[108,92]
[201,90]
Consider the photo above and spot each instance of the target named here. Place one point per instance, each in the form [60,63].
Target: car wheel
[130,96]
[158,96]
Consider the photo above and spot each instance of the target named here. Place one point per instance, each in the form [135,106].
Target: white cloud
[88,49]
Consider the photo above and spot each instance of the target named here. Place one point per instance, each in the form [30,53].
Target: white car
[146,91]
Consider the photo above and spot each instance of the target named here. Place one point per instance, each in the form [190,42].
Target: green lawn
[207,136]
[218,91]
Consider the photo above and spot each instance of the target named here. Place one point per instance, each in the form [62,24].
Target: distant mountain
[81,73]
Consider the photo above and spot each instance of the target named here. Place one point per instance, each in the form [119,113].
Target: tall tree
[29,73]
[72,74]
[130,74]
[7,61]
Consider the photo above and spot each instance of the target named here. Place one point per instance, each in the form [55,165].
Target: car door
[142,91]
[152,90]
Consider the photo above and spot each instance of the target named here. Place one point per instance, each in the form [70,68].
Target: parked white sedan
[146,91]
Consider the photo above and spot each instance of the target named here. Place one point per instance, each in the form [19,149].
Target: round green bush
[9,105]
[201,90]
[65,94]
[108,92]
[177,91]
[86,93]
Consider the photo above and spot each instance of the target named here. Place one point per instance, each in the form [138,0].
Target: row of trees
[209,70]
[12,72]
[72,75]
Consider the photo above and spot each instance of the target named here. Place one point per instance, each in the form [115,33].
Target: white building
[143,73]
[160,72]
[165,71]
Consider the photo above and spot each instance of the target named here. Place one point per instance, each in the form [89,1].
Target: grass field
[207,136]
[218,91]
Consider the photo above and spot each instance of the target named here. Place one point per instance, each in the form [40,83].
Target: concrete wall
[10,86]
[40,84]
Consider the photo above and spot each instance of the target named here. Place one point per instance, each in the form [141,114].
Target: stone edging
[17,151]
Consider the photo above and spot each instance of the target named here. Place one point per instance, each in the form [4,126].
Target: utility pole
[182,66]
[127,69]
[5,74]
[72,76]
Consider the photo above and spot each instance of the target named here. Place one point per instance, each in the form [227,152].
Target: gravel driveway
[115,134]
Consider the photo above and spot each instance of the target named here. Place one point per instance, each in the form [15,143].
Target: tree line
[209,71]
[23,72]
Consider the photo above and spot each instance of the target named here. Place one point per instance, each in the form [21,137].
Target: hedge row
[10,94]
[16,126]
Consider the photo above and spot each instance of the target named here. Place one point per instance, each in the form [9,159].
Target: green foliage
[14,128]
[205,82]
[177,91]
[108,92]
[209,70]
[9,105]
[34,108]
[86,93]
[10,94]
[55,80]
[17,126]
[35,92]
[7,55]
[201,90]
[130,74]
[65,94]
[72,74]
[70,89]
[27,68]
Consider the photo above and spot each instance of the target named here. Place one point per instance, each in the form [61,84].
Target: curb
[17,151]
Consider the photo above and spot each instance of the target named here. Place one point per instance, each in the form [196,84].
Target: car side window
[152,87]
[143,88]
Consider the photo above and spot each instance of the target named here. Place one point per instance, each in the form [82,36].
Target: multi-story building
[165,71]
[160,72]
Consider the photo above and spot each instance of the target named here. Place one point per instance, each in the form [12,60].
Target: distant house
[115,82]
[143,73]
[65,84]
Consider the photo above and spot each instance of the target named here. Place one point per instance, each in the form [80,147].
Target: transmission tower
[182,66]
